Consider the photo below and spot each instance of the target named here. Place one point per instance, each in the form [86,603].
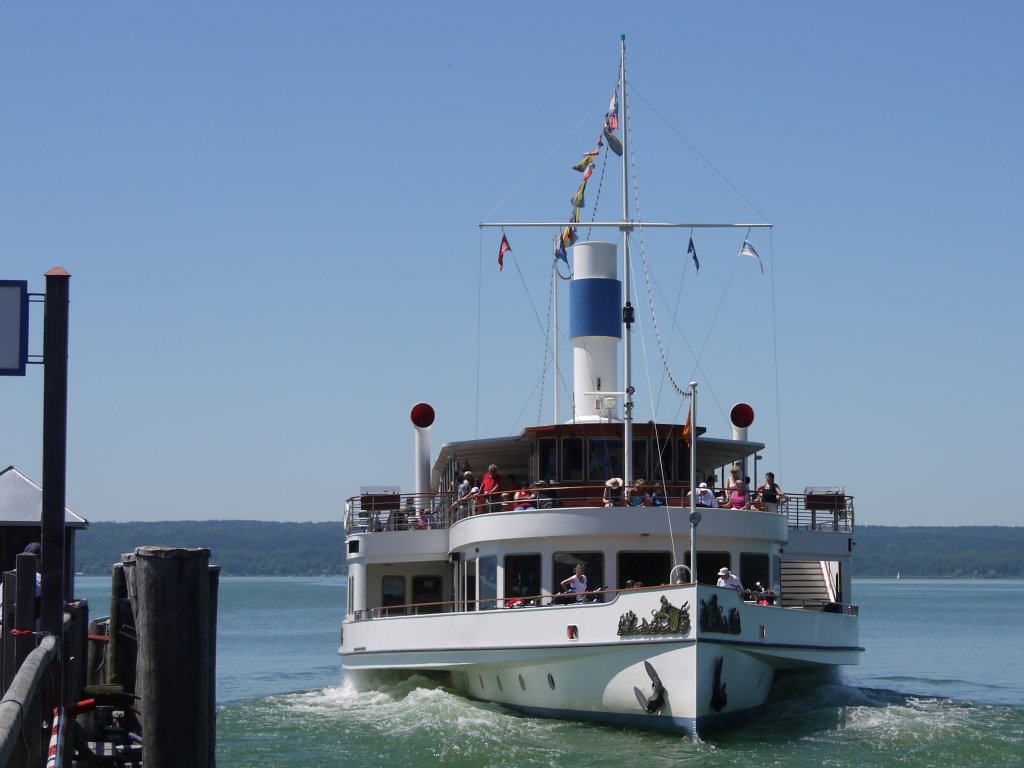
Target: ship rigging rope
[544,159]
[633,89]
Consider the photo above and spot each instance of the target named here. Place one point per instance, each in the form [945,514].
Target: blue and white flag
[748,250]
[693,251]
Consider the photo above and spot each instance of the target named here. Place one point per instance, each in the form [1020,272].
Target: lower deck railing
[572,598]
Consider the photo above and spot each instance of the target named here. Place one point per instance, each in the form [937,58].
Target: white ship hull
[571,662]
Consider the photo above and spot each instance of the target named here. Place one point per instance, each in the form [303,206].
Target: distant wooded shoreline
[256,548]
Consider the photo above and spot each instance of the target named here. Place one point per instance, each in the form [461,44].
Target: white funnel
[595,328]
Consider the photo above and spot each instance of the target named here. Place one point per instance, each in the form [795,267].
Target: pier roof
[21,502]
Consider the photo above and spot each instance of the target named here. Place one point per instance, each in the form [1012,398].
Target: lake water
[941,684]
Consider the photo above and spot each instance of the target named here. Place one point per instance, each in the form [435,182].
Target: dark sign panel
[13,327]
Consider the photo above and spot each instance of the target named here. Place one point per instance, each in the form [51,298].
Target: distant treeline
[239,547]
[980,552]
[251,548]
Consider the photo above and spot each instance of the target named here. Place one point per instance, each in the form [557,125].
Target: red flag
[505,248]
[688,431]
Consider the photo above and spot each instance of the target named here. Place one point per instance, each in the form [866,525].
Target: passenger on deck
[524,499]
[654,496]
[730,483]
[705,497]
[547,497]
[769,493]
[576,583]
[468,481]
[490,488]
[726,578]
[739,497]
[637,494]
[613,492]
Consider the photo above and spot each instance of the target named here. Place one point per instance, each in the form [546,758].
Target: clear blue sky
[269,211]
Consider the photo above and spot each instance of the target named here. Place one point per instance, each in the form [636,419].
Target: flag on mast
[693,251]
[611,118]
[688,428]
[748,250]
[588,160]
[502,250]
[560,251]
[613,142]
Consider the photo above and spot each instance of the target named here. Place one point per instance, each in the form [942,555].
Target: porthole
[522,683]
[551,681]
[500,686]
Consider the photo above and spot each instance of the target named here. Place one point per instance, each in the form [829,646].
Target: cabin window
[522,576]
[777,572]
[427,589]
[547,458]
[470,591]
[754,567]
[351,594]
[572,460]
[392,589]
[488,580]
[708,565]
[605,458]
[646,568]
[565,565]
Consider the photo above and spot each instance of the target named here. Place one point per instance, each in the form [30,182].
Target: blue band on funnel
[595,308]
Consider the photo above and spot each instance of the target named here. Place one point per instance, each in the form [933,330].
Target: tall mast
[627,307]
[554,340]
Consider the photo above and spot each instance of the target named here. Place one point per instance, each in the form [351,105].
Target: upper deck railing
[386,512]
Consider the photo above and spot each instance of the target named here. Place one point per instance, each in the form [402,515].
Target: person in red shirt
[490,488]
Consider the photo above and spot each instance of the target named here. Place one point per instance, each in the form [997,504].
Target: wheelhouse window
[683,461]
[661,471]
[605,459]
[547,455]
[572,459]
[522,576]
[427,589]
[643,568]
[564,565]
[392,594]
[641,465]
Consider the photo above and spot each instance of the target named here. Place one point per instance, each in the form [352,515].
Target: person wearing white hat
[613,492]
[727,578]
[705,498]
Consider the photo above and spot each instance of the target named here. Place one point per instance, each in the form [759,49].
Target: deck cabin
[429,553]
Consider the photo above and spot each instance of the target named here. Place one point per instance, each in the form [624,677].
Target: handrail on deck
[387,512]
[605,594]
[20,694]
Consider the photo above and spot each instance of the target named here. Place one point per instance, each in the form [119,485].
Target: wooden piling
[25,619]
[10,668]
[170,590]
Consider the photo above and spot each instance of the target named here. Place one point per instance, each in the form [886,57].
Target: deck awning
[512,455]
